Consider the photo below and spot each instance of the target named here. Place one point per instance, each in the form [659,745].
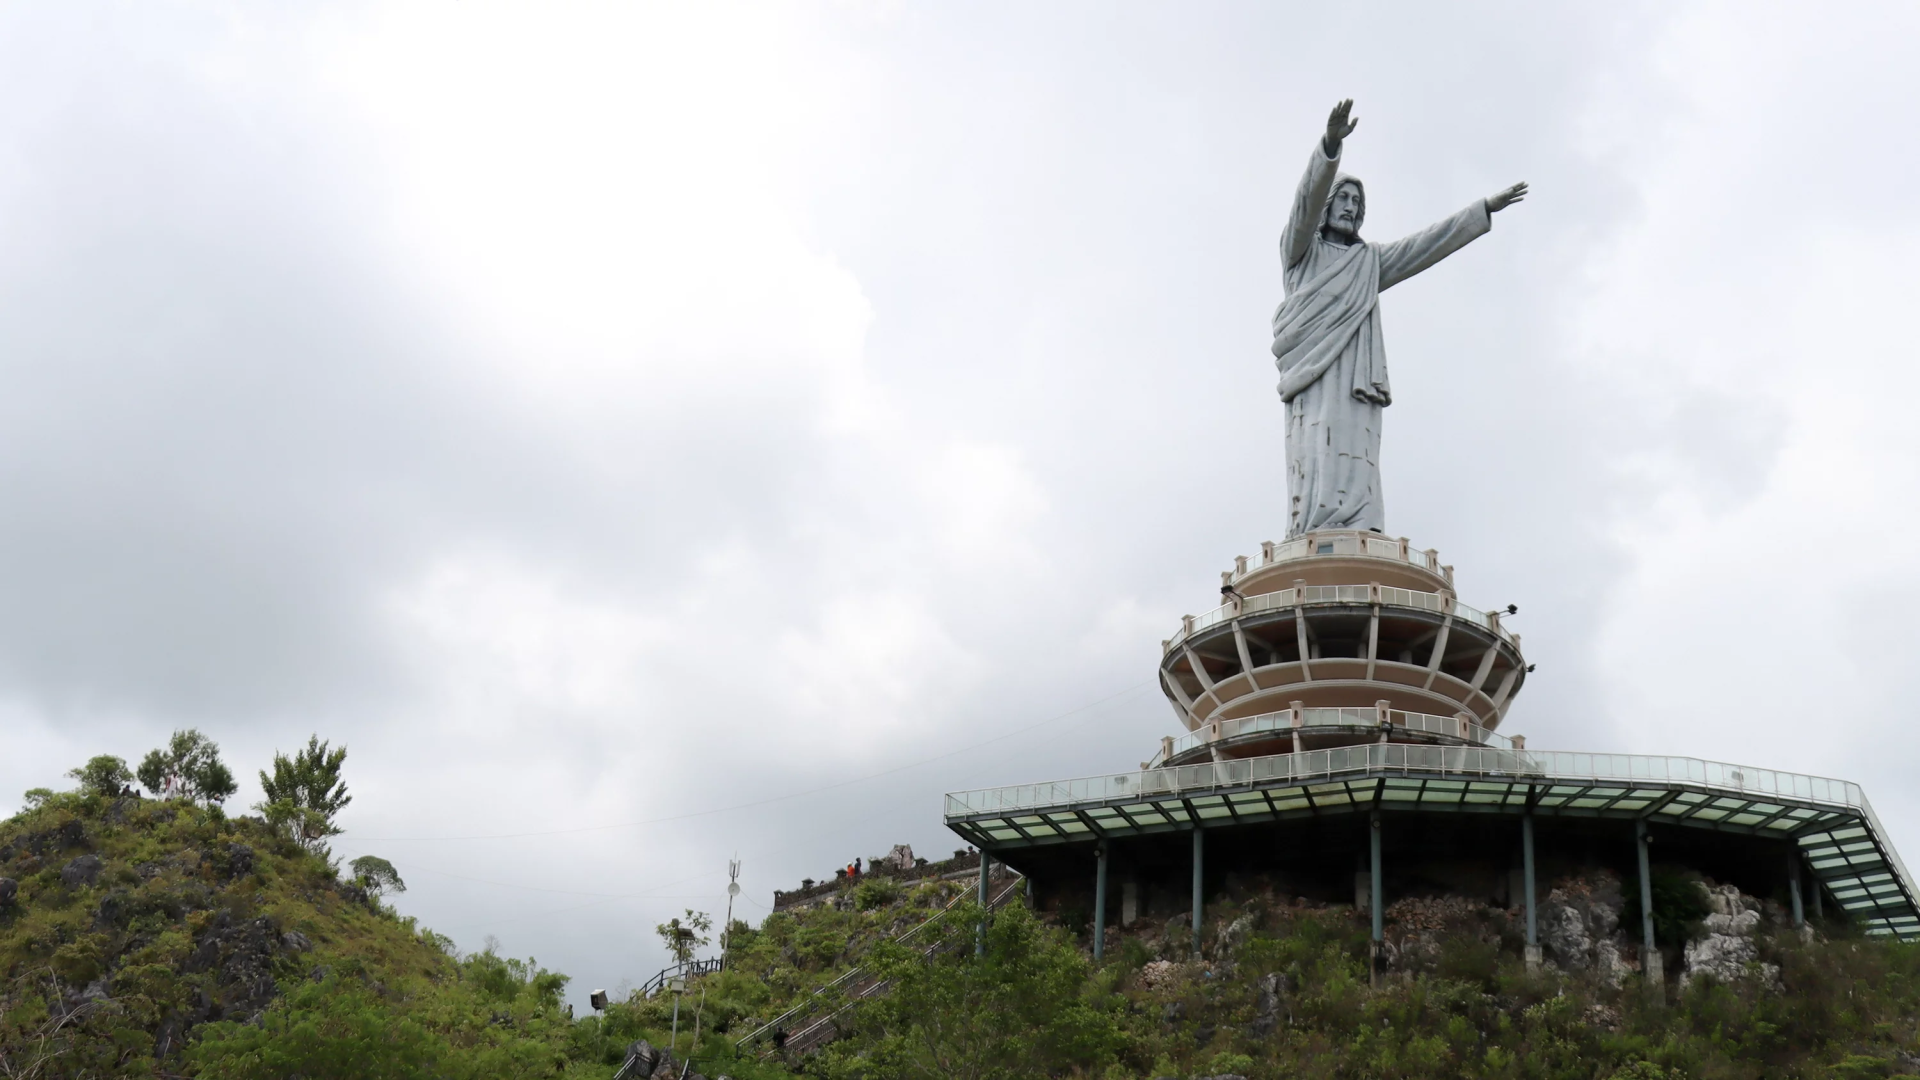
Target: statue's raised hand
[1339,127]
[1502,199]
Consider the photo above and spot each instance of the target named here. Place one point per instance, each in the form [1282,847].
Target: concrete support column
[1793,887]
[1374,886]
[1100,900]
[1649,952]
[1818,914]
[1199,896]
[980,931]
[1526,873]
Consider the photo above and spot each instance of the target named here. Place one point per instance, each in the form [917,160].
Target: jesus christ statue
[1326,334]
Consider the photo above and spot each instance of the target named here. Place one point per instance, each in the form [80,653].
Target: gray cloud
[599,416]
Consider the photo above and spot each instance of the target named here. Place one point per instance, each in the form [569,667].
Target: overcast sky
[649,435]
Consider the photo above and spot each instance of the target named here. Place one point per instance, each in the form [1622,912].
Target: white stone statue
[1326,334]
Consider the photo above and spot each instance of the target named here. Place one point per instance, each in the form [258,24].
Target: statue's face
[1343,211]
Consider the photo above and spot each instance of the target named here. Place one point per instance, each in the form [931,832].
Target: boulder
[239,860]
[9,888]
[115,909]
[1266,1012]
[67,834]
[241,954]
[900,858]
[295,941]
[1156,973]
[1580,924]
[1725,949]
[642,1059]
[84,870]
[1235,934]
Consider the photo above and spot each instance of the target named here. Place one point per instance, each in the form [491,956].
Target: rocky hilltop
[164,938]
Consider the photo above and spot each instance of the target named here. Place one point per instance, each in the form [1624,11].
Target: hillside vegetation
[163,937]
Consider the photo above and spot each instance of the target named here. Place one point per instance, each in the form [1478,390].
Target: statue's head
[1346,209]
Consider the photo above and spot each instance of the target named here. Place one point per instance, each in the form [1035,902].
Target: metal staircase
[810,1024]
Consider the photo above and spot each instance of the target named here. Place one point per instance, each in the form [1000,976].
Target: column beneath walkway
[980,932]
[1649,952]
[1100,900]
[1793,887]
[1199,839]
[1526,873]
[1375,888]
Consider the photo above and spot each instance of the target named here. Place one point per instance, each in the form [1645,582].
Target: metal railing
[849,987]
[1319,765]
[1362,717]
[690,969]
[1312,595]
[1344,544]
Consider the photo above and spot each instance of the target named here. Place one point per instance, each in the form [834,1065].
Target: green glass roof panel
[1828,819]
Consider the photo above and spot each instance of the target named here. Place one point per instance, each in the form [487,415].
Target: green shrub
[1679,905]
[876,892]
[104,775]
[1229,1063]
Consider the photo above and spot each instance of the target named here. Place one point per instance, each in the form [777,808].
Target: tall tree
[188,767]
[682,939]
[103,774]
[376,875]
[305,792]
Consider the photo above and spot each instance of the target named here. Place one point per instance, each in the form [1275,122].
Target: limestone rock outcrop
[1580,926]
[1725,950]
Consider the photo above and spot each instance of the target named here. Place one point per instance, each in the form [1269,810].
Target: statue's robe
[1327,343]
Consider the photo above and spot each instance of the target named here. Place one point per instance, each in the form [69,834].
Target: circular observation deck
[1332,639]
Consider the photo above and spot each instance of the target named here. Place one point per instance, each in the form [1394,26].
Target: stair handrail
[867,992]
[806,1003]
[691,969]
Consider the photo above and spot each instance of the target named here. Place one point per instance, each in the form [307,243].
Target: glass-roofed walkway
[1829,822]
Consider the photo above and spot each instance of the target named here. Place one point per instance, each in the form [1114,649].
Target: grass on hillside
[214,946]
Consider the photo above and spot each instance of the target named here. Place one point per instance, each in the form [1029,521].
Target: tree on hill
[683,939]
[103,774]
[304,793]
[188,767]
[376,875]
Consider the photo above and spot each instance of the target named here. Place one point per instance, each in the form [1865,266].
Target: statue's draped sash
[1321,319]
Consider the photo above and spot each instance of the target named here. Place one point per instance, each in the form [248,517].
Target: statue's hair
[1360,218]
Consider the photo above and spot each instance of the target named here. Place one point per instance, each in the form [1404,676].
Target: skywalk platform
[1828,822]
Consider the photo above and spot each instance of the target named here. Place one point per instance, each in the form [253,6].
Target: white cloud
[599,414]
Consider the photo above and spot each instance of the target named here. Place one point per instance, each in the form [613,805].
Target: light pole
[733,890]
[676,984]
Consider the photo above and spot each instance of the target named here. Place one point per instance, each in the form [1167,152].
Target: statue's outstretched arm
[1310,198]
[1409,255]
[1500,200]
[1339,126]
